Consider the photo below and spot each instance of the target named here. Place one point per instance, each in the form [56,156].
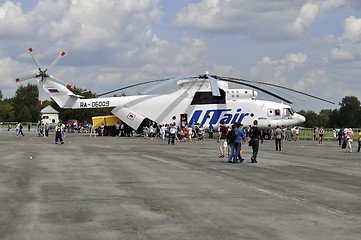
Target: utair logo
[217,116]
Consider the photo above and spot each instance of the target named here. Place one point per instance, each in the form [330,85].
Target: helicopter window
[291,111]
[270,112]
[208,98]
[288,112]
[277,112]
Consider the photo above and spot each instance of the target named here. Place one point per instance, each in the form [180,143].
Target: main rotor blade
[214,86]
[137,84]
[36,61]
[258,88]
[173,79]
[275,85]
[59,81]
[55,61]
[24,78]
[41,92]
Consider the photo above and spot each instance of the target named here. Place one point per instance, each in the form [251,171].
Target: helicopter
[204,99]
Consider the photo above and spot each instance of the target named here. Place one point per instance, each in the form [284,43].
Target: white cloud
[316,79]
[349,44]
[307,16]
[114,33]
[13,23]
[276,70]
[262,20]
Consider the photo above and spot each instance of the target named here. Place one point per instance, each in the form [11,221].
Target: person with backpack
[278,137]
[236,137]
[230,142]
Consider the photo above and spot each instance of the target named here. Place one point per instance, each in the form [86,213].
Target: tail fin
[60,94]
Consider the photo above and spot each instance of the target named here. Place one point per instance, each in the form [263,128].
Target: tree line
[348,115]
[23,107]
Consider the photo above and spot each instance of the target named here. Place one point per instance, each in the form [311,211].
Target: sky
[308,45]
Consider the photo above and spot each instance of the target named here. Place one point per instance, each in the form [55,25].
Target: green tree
[335,120]
[6,111]
[350,112]
[311,118]
[25,103]
[324,118]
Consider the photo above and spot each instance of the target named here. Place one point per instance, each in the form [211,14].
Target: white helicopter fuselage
[193,103]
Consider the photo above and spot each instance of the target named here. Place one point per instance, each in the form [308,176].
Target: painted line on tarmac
[177,164]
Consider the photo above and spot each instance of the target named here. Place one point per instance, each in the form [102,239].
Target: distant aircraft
[204,99]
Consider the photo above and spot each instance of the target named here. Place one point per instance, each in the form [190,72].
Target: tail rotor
[42,76]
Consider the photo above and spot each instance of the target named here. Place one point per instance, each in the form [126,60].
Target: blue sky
[309,45]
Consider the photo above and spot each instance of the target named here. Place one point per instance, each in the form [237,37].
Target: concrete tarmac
[131,188]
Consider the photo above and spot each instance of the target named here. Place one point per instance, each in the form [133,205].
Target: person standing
[359,142]
[172,132]
[321,132]
[222,139]
[297,131]
[39,129]
[151,131]
[340,136]
[46,130]
[122,130]
[145,132]
[278,137]
[210,132]
[283,135]
[255,134]
[102,129]
[29,126]
[349,138]
[117,129]
[315,131]
[239,136]
[162,131]
[230,141]
[9,130]
[58,131]
[334,132]
[190,132]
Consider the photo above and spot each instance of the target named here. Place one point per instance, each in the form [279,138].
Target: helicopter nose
[300,118]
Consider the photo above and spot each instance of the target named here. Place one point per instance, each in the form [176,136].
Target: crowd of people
[238,136]
[175,133]
[234,137]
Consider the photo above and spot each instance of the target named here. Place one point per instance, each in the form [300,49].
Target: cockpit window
[288,112]
[208,98]
[291,111]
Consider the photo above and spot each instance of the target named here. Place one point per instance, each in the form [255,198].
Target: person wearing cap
[58,131]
